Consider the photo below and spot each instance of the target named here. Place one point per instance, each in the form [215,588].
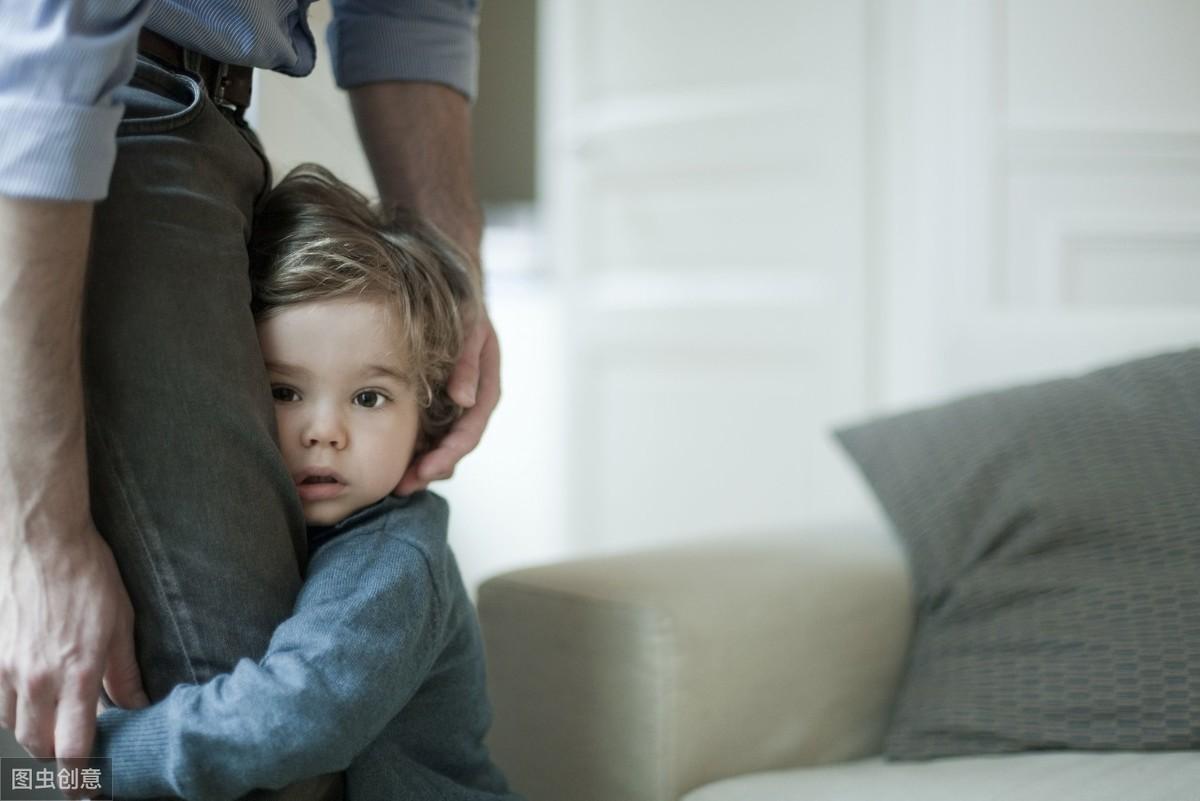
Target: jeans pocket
[158,99]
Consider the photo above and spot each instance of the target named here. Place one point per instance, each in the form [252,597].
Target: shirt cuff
[367,49]
[57,151]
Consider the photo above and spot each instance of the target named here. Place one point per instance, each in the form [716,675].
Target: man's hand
[474,385]
[66,626]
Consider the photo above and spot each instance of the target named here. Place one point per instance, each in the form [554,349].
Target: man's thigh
[187,484]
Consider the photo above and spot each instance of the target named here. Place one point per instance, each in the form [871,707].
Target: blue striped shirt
[62,60]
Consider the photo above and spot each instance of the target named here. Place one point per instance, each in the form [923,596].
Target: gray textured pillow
[1054,536]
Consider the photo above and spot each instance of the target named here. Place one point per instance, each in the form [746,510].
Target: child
[379,671]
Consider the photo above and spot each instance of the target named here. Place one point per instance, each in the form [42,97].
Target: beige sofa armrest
[640,677]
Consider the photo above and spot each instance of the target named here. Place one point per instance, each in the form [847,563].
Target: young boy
[379,671]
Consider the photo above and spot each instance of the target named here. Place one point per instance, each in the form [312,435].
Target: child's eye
[370,399]
[284,394]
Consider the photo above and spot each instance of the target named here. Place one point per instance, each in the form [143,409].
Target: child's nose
[325,429]
[333,440]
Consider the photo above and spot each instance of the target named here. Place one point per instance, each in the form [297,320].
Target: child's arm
[361,639]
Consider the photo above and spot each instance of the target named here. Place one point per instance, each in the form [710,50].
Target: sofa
[755,669]
[1022,622]
[743,670]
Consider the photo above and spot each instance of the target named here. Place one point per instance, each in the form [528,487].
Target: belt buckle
[218,91]
[193,61]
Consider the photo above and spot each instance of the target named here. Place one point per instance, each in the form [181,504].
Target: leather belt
[227,84]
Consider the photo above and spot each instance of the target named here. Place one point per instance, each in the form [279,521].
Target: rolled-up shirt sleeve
[61,61]
[408,40]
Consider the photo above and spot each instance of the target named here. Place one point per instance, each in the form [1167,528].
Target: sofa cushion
[1054,536]
[1016,777]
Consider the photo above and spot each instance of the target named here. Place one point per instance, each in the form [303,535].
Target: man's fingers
[76,722]
[439,463]
[489,373]
[468,429]
[34,728]
[435,472]
[8,706]
[122,678]
[461,440]
[411,481]
[465,377]
[483,365]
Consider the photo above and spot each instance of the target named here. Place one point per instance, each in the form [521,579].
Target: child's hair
[317,238]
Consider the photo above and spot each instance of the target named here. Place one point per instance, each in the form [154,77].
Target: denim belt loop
[191,60]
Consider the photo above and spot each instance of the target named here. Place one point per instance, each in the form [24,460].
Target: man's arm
[67,621]
[410,68]
[362,638]
[65,617]
[417,137]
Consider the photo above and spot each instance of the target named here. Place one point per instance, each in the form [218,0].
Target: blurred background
[718,230]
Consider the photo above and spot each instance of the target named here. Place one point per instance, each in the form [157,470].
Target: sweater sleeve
[407,40]
[362,637]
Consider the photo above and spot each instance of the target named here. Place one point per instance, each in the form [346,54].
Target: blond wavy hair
[317,238]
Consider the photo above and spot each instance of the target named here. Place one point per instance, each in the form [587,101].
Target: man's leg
[188,487]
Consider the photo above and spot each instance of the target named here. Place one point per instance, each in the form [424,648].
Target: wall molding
[1048,149]
[598,119]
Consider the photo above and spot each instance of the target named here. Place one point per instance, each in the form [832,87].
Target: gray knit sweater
[379,671]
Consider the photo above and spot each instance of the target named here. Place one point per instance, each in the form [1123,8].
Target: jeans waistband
[227,84]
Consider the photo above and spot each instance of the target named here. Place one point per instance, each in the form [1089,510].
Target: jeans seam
[248,135]
[157,561]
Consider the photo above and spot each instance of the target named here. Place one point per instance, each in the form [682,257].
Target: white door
[1043,189]
[704,180]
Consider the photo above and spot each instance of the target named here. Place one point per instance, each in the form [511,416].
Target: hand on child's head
[475,385]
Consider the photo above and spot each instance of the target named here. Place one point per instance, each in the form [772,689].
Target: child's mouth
[319,488]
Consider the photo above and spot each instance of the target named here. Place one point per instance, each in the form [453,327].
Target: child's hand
[474,385]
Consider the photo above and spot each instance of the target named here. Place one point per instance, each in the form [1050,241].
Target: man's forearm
[417,137]
[43,261]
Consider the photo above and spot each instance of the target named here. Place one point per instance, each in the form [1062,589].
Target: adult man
[135,475]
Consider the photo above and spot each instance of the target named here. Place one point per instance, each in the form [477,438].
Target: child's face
[347,421]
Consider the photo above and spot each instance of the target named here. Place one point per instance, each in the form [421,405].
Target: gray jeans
[188,487]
